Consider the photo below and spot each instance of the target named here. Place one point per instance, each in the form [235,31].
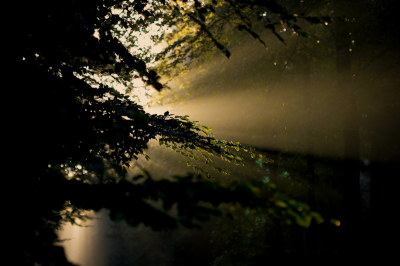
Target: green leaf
[206,128]
[280,203]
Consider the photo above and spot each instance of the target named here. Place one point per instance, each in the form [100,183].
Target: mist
[327,118]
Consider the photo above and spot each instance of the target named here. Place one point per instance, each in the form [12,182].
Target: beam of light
[79,241]
[238,105]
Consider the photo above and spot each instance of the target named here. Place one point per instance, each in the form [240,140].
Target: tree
[374,54]
[82,134]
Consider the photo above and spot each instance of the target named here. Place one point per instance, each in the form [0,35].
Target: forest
[257,132]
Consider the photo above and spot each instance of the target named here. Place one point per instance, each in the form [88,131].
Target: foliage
[200,29]
[369,40]
[83,134]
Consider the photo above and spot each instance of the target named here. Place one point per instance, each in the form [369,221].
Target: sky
[140,93]
[143,41]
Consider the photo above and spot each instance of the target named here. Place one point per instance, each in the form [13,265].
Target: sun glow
[142,44]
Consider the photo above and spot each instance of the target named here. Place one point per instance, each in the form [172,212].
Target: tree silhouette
[80,135]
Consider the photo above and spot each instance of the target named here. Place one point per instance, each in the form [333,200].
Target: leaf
[206,128]
[303,221]
[199,170]
[335,222]
[281,203]
[318,218]
[218,169]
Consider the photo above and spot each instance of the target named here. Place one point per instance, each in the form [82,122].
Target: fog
[288,102]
